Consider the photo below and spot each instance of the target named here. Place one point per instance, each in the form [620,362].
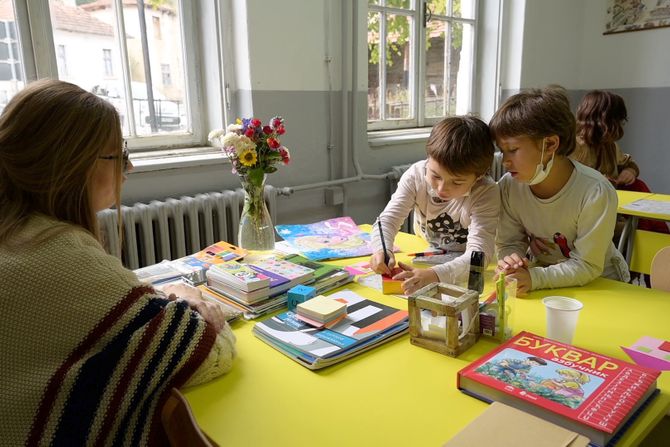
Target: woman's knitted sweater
[87,352]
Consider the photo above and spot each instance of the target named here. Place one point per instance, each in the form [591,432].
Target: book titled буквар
[585,392]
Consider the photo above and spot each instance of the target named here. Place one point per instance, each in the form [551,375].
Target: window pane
[405,4]
[463,8]
[398,67]
[92,59]
[373,66]
[11,68]
[461,63]
[438,7]
[436,90]
[373,2]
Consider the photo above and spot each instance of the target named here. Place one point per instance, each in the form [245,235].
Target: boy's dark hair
[537,113]
[461,145]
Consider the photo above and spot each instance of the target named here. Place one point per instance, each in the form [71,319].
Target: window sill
[394,137]
[176,158]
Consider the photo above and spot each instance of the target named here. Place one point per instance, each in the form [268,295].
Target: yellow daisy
[248,157]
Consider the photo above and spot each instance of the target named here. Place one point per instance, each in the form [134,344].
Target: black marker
[381,234]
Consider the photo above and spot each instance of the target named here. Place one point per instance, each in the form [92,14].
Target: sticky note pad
[392,286]
[321,308]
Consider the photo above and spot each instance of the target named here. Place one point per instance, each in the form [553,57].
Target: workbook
[366,325]
[239,276]
[580,390]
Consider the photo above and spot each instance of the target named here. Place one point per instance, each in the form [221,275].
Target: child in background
[600,119]
[455,203]
[559,209]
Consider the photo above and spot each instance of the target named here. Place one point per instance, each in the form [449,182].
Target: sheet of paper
[649,206]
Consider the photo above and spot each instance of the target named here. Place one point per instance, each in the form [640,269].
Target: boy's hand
[626,177]
[377,263]
[511,262]
[539,246]
[415,278]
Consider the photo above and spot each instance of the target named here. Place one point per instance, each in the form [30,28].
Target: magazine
[329,239]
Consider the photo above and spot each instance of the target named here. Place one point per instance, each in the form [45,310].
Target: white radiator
[175,228]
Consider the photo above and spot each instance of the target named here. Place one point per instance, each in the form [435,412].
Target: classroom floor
[660,436]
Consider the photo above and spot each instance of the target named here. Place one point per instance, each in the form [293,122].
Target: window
[62,61]
[156,21]
[420,61]
[165,72]
[131,76]
[107,62]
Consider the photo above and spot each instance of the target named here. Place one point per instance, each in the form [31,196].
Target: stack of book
[282,275]
[326,277]
[239,281]
[582,391]
[321,311]
[367,325]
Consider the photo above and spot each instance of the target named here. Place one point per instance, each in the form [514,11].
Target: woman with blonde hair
[88,352]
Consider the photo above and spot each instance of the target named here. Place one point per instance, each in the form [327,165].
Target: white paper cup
[562,313]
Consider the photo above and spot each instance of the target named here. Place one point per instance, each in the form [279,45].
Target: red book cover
[567,385]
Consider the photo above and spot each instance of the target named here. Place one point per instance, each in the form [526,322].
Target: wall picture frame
[636,15]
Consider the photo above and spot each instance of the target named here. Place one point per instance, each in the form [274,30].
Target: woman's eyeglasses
[125,155]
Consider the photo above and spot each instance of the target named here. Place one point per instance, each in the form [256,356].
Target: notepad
[321,309]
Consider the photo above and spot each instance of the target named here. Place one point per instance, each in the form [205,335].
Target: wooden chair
[179,424]
[660,270]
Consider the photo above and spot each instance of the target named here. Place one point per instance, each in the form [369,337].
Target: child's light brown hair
[600,119]
[537,113]
[461,145]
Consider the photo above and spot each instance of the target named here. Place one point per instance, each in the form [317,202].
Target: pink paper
[650,355]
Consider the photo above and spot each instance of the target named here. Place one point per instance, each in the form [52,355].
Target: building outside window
[421,56]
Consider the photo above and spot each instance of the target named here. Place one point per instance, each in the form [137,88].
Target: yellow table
[648,242]
[399,394]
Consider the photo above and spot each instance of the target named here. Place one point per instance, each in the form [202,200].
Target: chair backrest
[660,270]
[179,424]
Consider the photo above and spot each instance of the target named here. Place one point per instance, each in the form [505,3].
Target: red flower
[255,122]
[280,130]
[273,143]
[249,132]
[267,130]
[276,122]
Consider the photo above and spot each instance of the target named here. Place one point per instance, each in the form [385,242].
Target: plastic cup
[562,313]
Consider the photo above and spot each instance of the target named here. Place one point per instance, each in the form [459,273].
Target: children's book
[296,274]
[366,325]
[580,390]
[247,297]
[324,274]
[249,311]
[239,276]
[329,239]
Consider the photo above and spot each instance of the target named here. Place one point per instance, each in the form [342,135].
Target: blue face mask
[541,173]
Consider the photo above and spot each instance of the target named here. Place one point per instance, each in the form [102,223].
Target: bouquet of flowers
[252,148]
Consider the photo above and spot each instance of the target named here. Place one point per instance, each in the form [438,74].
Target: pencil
[437,251]
[381,234]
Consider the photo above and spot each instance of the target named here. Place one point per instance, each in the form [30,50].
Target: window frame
[38,52]
[418,53]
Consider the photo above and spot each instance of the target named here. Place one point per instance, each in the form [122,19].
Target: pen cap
[476,276]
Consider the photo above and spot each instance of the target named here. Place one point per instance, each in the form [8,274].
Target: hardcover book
[366,325]
[239,276]
[580,390]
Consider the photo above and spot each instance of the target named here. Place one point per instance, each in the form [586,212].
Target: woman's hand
[415,278]
[377,263]
[209,311]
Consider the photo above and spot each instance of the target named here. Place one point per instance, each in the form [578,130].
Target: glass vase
[256,231]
